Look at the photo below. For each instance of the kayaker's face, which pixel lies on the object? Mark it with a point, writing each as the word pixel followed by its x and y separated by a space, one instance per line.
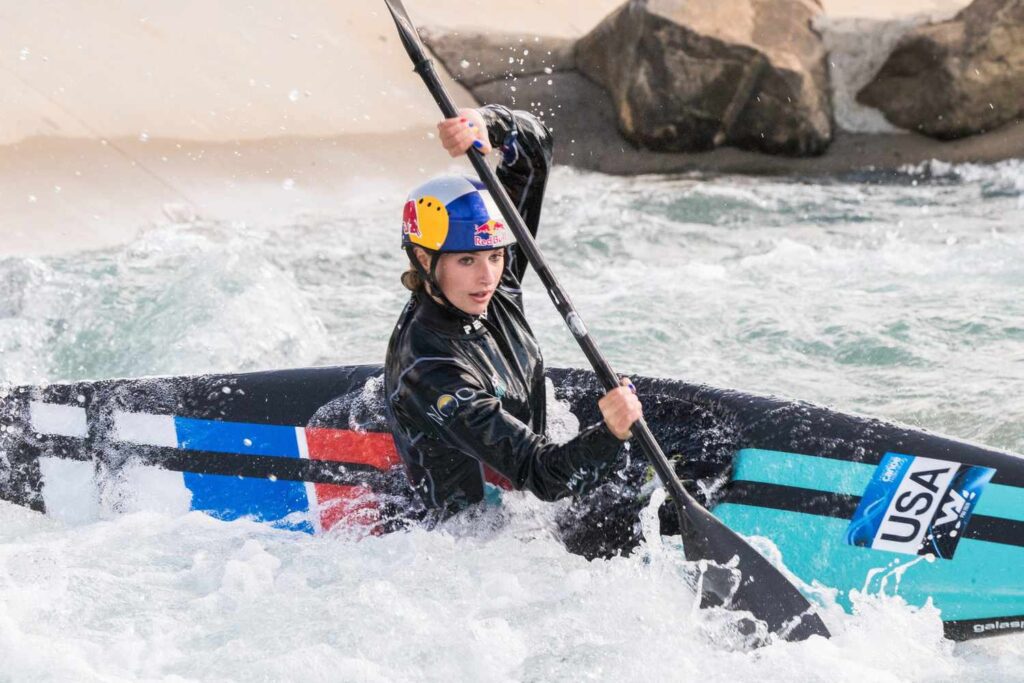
pixel 468 279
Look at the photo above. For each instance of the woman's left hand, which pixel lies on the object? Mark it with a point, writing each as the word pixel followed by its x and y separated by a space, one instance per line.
pixel 620 408
pixel 466 130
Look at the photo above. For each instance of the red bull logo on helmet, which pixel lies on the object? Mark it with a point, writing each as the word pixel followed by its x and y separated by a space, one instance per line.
pixel 410 225
pixel 490 234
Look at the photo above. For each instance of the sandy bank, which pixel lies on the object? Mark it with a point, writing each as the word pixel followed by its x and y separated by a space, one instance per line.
pixel 70 194
pixel 112 119
pixel 230 70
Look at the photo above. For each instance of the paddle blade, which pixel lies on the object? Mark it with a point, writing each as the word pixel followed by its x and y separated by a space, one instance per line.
pixel 744 580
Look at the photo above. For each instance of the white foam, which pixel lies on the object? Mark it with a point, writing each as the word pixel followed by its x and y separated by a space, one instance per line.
pixel 563 425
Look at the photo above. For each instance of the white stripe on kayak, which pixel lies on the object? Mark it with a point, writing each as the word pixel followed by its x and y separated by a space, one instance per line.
pixel 58 420
pixel 153 489
pixel 69 489
pixel 145 429
pixel 314 504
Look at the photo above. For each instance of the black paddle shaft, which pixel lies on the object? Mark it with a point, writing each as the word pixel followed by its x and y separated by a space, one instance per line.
pixel 762 589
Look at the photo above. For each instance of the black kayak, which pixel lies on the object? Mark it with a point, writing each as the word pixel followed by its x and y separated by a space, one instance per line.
pixel 851 502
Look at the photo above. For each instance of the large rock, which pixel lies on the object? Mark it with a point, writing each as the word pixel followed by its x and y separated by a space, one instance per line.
pixel 956 78
pixel 687 75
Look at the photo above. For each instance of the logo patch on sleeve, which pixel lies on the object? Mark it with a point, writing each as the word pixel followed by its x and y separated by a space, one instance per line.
pixel 447 405
pixel 917 506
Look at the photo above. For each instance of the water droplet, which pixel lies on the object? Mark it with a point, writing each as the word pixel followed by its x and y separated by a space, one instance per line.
pixel 23 54
pixel 294 95
pixel 143 136
pixel 288 184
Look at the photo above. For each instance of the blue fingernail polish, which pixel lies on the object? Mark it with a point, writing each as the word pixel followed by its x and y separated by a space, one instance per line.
pixel 631 387
pixel 470 124
pixel 478 144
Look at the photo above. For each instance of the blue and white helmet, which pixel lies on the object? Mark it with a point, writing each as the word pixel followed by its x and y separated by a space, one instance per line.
pixel 453 213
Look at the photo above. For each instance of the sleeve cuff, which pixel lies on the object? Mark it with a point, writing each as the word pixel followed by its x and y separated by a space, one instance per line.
pixel 598 434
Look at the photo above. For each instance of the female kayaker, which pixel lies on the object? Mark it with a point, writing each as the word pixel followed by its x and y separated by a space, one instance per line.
pixel 464 376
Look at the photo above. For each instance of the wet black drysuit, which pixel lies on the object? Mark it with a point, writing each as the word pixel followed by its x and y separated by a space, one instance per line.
pixel 465 395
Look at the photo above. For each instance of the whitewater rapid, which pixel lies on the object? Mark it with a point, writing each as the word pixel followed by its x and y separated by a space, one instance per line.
pixel 897 297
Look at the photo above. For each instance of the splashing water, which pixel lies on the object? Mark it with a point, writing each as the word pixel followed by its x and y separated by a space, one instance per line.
pixel 897 297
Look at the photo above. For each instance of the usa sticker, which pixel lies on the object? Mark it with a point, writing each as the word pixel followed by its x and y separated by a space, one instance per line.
pixel 917 506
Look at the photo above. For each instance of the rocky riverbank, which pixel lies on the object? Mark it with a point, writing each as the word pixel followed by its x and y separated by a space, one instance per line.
pixel 744 87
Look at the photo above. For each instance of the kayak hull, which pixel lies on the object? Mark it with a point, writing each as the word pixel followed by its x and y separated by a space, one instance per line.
pixel 851 502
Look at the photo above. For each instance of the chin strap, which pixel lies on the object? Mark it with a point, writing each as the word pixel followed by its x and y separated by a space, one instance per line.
pixel 430 279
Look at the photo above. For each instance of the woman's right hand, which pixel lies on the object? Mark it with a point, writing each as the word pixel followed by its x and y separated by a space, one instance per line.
pixel 462 132
pixel 620 408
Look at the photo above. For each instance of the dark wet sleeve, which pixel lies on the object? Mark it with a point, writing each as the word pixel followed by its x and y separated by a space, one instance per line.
pixel 525 146
pixel 454 408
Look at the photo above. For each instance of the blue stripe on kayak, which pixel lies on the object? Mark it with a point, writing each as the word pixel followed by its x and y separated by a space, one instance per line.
pixel 851 478
pixel 228 498
pixel 236 437
pixel 980 582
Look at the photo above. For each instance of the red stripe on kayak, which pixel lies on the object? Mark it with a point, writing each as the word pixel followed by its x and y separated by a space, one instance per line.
pixel 354 507
pixel 501 481
pixel 376 449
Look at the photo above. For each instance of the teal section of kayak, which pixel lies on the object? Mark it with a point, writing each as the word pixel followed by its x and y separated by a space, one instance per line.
pixel 801 471
pixel 851 478
pixel 981 581
pixel 492 496
pixel 1002 501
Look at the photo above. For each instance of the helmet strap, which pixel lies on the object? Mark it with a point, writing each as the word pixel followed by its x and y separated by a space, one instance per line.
pixel 430 278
